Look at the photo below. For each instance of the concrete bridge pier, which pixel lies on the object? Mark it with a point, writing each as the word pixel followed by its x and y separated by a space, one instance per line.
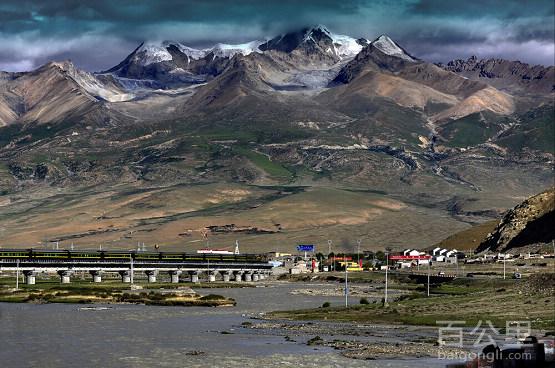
pixel 30 277
pixel 212 276
pixel 65 276
pixel 194 276
pixel 247 276
pixel 261 276
pixel 151 276
pixel 238 276
pixel 125 276
pixel 174 275
pixel 255 276
pixel 97 277
pixel 226 275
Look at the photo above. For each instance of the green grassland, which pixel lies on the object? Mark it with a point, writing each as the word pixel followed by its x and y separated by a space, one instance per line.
pixel 469 131
pixel 468 300
pixel 263 162
pixel 536 130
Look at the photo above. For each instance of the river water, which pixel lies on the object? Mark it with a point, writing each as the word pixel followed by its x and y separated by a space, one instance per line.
pixel 63 335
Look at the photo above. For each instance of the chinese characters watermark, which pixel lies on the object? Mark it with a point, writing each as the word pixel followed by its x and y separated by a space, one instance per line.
pixel 453 334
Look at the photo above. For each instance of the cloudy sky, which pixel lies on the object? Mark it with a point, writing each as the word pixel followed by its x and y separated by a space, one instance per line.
pixel 98 34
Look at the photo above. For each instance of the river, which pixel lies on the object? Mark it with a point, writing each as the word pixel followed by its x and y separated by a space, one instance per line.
pixel 63 335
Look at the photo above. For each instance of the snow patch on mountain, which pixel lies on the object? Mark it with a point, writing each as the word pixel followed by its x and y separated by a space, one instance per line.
pixel 226 50
pixel 345 46
pixel 389 47
pixel 191 53
pixel 150 53
pixel 92 85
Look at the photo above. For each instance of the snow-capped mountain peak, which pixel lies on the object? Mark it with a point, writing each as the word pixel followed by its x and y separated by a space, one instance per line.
pixel 150 53
pixel 389 47
pixel 227 50
pixel 346 46
pixel 191 53
pixel 314 31
pixel 339 45
pixel 343 46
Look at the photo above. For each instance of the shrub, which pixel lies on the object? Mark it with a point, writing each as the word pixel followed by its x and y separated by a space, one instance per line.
pixel 326 305
pixel 213 297
pixel 364 301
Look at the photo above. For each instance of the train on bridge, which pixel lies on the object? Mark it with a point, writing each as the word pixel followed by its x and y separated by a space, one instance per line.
pixel 250 267
pixel 105 255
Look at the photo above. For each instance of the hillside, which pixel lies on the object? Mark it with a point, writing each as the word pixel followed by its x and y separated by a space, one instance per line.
pixel 531 222
pixel 468 239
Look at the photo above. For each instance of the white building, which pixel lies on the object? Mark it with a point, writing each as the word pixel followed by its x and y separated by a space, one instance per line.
pixel 452 253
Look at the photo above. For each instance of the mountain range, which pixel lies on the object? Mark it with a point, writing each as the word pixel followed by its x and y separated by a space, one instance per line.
pixel 302 113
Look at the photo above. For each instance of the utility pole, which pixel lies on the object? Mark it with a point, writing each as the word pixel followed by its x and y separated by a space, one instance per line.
pixel 17 276
pixel 386 271
pixel 346 287
pixel 131 259
pixel 358 251
pixel 504 266
pixel 329 248
pixel 428 278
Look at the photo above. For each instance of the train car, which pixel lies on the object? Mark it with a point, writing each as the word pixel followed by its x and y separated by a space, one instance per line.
pixel 115 255
pixel 192 257
pixel 49 254
pixel 146 256
pixel 82 255
pixel 167 256
pixel 15 253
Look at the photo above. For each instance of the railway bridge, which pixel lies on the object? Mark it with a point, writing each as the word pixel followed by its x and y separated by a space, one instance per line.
pixel 227 267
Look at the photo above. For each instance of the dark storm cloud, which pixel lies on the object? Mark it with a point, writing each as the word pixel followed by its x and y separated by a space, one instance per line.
pixel 98 34
pixel 505 9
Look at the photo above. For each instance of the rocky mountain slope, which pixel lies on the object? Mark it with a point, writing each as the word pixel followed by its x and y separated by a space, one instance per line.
pixel 55 93
pixel 511 76
pixel 530 222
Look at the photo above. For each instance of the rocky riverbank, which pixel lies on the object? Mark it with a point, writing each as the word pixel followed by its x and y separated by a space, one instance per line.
pixel 362 341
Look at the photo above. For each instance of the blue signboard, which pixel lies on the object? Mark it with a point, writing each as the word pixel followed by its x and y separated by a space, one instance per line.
pixel 305 248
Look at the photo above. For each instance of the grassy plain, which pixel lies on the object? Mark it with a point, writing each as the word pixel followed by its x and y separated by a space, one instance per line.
pixel 464 299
